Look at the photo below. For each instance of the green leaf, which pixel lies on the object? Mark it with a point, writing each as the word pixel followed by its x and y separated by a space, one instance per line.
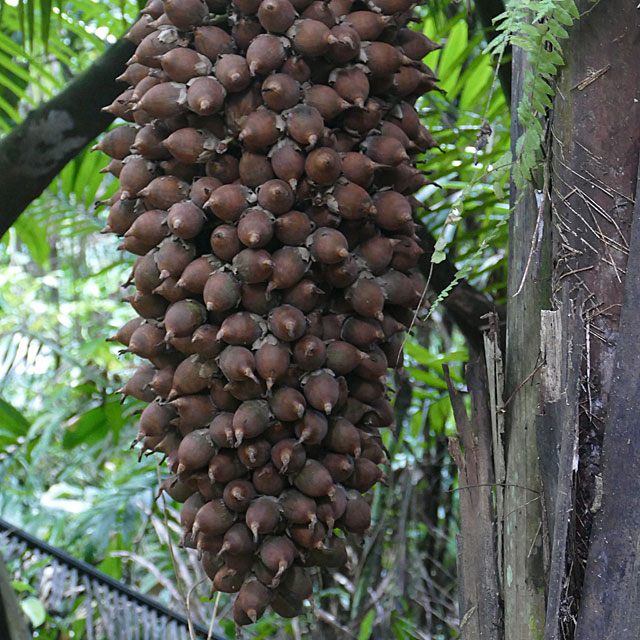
pixel 89 428
pixel 11 420
pixel 35 238
pixel 21 587
pixel 365 626
pixel 34 611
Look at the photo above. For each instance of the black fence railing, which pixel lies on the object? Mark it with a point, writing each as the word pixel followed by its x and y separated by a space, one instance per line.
pixel 111 609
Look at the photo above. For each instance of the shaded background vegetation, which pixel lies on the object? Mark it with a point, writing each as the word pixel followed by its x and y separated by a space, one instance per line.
pixel 68 475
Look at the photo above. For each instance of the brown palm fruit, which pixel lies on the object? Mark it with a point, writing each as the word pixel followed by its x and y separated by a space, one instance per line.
pixel 138 385
pixel 182 64
pixel 147 341
pixel 325 141
pixel 278 430
pixel 255 453
pixel 189 510
pixel 321 390
pixel 361 332
pixel 276 196
pixel 309 537
pixel 253 265
pixel 192 375
pixel 293 228
pixel 278 554
pixel 184 317
pixel 196 273
pixel 256 299
pixel 238 494
pixel 285 607
pixel 232 72
pixel 122 214
pixel 365 474
pixel 195 451
pixel 213 519
pixel 185 14
pixel 221 396
pixel 222 291
pixel 255 228
pixel 265 54
pixel 268 481
pixel 224 467
pixel 212 41
pixel 238 539
pixel 246 389
pixel 260 130
pixel 326 100
pixel 314 480
pixel 287 404
pixel 287 162
pixel 304 295
pixel 287 323
pixel 298 508
pixel 328 245
pixel 346 47
pixel 221 430
pixel 342 437
pixel 194 412
pixel 367 297
pixel 229 201
pixel 331 509
pixel 237 364
pixel 352 201
pixel 357 515
pixel 123 335
pixel 254 169
pixel 305 125
pixel 224 168
pixel 321 12
pixel 225 243
pixel 185 220
pixel 117 142
pixel 339 465
pixel 296 584
pixel 136 173
pixel 287 456
pixel 289 266
pixel 155 419
pixel 252 599
pixel 228 580
pixel 250 420
pixel 276 16
pixel 280 91
pixel 309 353
pixel 323 166
pixel 262 516
pixel 176 490
pixel 162 382
pixel 272 360
pixel 342 357
pixel 342 274
pixel 244 30
pixel 241 329
pixel 351 84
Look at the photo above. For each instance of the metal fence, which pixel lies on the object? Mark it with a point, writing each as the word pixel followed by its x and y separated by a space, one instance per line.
pixel 111 610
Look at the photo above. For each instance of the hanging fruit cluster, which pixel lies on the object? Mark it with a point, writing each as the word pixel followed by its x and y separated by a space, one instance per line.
pixel 265 185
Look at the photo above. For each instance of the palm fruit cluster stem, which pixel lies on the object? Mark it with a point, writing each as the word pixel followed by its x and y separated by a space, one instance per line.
pixel 266 169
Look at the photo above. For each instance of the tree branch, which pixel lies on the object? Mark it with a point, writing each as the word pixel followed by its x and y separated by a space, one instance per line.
pixel 465 304
pixel 37 149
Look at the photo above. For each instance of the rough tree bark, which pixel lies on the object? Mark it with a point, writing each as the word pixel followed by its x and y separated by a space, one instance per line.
pixel 39 148
pixel 570 521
